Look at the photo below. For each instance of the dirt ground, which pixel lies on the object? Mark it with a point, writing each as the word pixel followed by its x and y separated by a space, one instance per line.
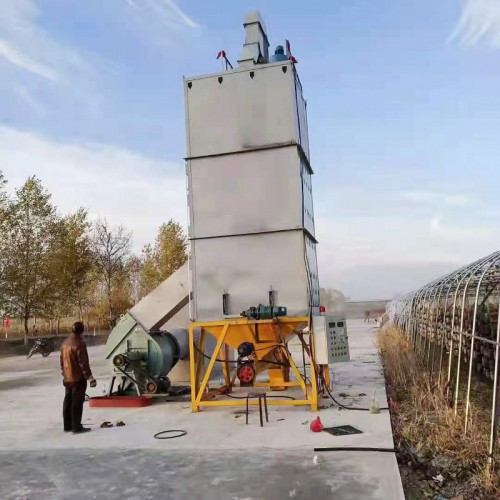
pixel 439 478
pixel 427 474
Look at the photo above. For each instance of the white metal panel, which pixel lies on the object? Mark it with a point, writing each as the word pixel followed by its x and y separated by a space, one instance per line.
pixel 163 302
pixel 320 340
pixel 301 118
pixel 233 111
pixel 247 267
pixel 307 199
pixel 312 270
pixel 247 193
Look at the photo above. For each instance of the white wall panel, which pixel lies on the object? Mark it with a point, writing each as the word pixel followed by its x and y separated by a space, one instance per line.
pixel 312 268
pixel 301 118
pixel 245 193
pixel 232 111
pixel 247 267
pixel 307 199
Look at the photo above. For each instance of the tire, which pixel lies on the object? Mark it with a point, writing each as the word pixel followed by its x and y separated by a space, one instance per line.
pixel 45 353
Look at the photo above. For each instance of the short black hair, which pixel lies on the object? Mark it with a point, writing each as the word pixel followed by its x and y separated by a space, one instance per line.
pixel 78 327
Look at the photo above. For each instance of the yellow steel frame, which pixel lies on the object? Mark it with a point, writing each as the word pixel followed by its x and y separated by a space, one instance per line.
pixel 230 333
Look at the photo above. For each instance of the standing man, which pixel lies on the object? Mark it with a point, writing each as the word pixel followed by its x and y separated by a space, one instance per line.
pixel 75 371
pixel 367 316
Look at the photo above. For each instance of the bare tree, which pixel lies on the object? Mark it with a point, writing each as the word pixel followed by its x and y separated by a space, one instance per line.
pixel 111 247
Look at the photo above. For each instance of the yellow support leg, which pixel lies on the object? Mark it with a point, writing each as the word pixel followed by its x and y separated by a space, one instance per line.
pixel 225 365
pixel 297 374
pixel 210 367
pixel 200 360
pixel 192 369
pixel 314 388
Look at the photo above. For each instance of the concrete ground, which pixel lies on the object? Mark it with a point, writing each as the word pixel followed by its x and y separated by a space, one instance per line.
pixel 219 458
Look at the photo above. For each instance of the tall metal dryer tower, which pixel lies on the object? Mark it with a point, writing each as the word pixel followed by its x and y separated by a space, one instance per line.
pixel 251 223
pixel 251 218
pixel 252 246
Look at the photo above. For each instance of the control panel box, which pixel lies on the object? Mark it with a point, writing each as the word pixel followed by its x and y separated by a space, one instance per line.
pixel 331 342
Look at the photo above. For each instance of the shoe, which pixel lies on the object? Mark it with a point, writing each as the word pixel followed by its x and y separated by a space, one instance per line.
pixel 82 430
pixel 67 430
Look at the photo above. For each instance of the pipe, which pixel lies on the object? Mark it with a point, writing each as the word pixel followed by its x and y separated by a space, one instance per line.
pixel 477 268
pixel 444 333
pixel 467 403
pixel 494 402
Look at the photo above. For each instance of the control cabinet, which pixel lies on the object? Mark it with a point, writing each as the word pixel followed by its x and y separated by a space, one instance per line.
pixel 331 343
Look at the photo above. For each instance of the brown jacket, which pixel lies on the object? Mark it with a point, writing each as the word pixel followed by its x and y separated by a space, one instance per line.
pixel 75 359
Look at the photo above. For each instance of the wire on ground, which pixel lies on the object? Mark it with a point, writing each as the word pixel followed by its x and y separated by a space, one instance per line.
pixel 159 435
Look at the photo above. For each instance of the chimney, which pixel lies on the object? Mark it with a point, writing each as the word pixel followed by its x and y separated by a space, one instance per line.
pixel 256 47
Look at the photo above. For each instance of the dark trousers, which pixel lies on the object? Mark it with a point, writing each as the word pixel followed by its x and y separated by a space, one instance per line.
pixel 73 404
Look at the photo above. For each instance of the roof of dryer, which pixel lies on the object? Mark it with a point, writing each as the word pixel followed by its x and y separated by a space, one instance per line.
pixel 241 69
pixel 255 52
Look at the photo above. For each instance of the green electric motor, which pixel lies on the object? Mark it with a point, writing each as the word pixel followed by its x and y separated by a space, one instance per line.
pixel 264 312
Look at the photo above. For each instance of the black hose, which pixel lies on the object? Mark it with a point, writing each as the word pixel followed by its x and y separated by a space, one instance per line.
pixel 385 450
pixel 181 433
pixel 270 397
pixel 216 359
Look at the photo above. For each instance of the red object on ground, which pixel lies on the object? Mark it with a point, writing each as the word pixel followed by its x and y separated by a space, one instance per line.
pixel 6 321
pixel 394 405
pixel 316 425
pixel 120 401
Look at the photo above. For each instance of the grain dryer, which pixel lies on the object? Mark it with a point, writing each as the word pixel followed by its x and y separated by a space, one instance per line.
pixel 251 283
pixel 251 222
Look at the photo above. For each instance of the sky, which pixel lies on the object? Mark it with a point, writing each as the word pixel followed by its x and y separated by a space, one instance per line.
pixel 403 111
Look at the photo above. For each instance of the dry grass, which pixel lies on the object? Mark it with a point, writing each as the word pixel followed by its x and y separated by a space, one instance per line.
pixel 423 417
pixel 401 365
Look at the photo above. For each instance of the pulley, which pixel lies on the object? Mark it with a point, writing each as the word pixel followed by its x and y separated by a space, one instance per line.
pixel 246 373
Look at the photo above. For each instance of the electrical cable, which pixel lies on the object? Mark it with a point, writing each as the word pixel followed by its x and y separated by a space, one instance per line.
pixel 270 397
pixel 357 448
pixel 181 433
pixel 216 359
pixel 319 373
pixel 356 408
pixel 236 361
pixel 268 347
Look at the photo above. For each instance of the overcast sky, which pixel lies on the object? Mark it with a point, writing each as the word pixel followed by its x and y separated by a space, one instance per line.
pixel 403 101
